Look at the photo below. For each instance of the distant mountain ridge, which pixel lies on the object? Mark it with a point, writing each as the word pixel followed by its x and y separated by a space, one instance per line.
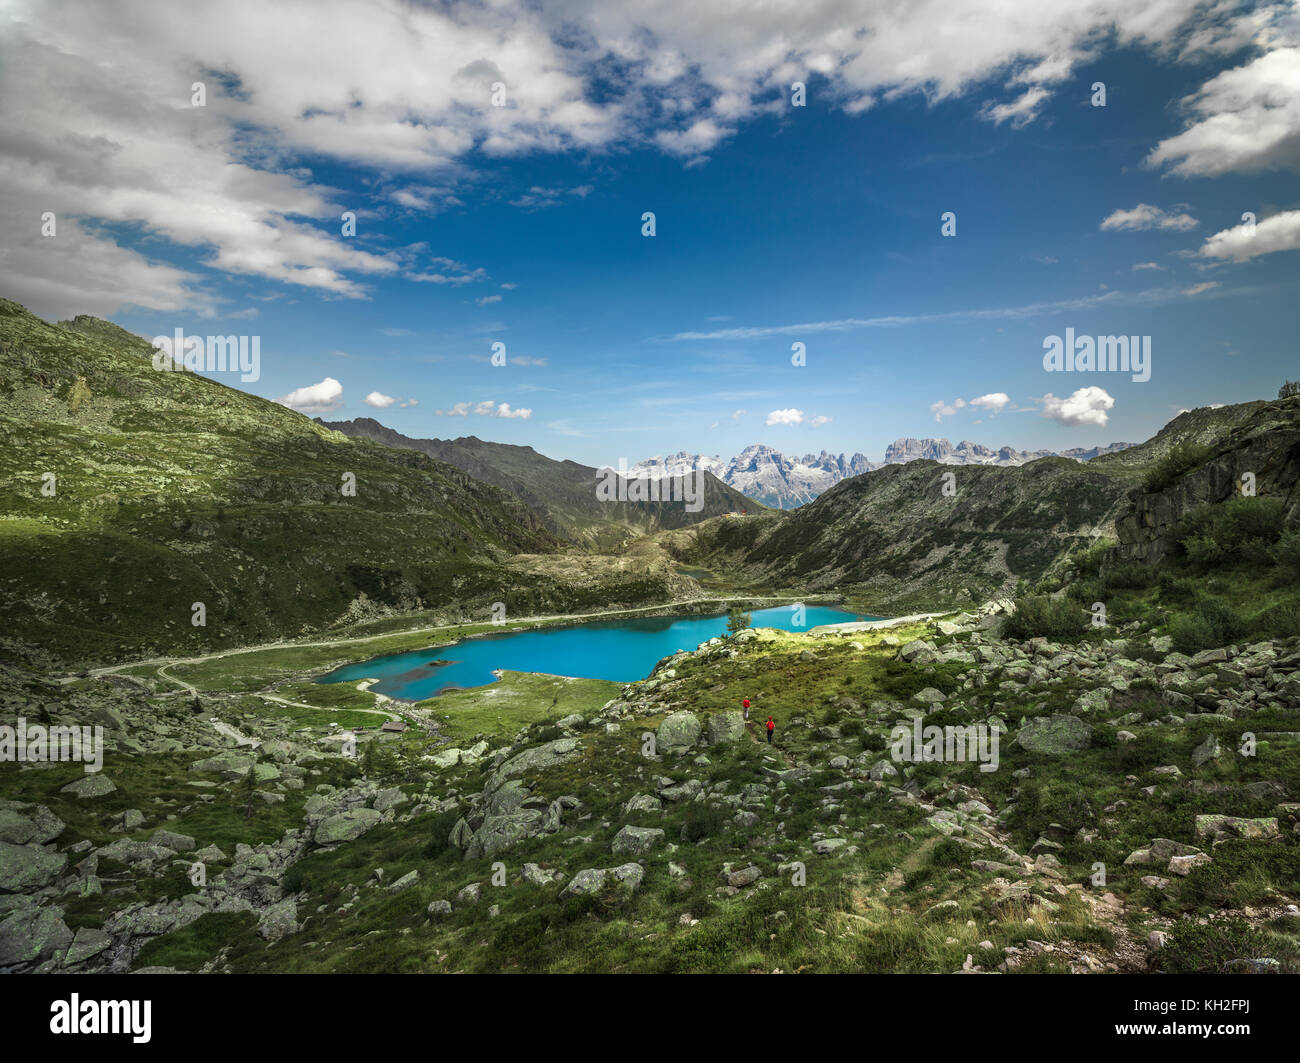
pixel 562 493
pixel 783 482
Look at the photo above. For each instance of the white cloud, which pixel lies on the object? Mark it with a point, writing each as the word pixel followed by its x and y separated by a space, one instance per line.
pixel 1204 286
pixel 994 402
pixel 738 413
pixel 488 300
pixel 379 400
pixel 315 398
pixel 408 403
pixel 790 416
pixel 485 409
pixel 1146 216
pixel 943 409
pixel 1244 120
pixel 819 420
pixel 447 271
pixel 1138 266
pixel 1085 406
pixel 1281 232
pixel 96 130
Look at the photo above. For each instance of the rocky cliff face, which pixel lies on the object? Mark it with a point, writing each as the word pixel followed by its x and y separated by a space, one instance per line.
pixel 1266 446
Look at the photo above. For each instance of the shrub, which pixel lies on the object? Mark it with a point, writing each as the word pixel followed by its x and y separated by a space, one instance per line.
pixel 702 821
pixel 1130 576
pixel 1204 552
pixel 1048 617
pixel 1280 622
pixel 1179 460
pixel 1285 553
pixel 1212 624
pixel 1197 949
pixel 440 833
pixel 1230 531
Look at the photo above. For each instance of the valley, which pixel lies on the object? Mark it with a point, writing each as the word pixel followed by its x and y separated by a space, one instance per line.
pixel 1141 813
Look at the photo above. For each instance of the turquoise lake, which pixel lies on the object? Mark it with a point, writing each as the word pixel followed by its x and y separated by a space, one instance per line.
pixel 622 650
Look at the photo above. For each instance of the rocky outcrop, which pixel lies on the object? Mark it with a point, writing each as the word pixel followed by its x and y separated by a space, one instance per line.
pixel 1266 446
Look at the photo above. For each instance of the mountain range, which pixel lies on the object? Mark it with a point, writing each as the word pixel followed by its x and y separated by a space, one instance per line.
pixel 785 482
pixel 562 493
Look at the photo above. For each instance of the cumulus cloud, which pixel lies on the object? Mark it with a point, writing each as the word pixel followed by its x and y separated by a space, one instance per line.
pixel 379 400
pixel 943 409
pixel 487 408
pixel 994 402
pixel 819 420
pixel 315 398
pixel 1281 232
pixel 93 130
pixel 1146 216
pixel 790 416
pixel 1243 120
pixel 1087 406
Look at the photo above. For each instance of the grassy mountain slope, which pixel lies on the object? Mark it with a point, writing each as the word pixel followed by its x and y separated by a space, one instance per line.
pixel 1205 426
pixel 563 492
pixel 171 489
pixel 892 538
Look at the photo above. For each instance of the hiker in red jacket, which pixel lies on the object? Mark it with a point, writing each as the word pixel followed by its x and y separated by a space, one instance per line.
pixel 771 726
pixel 745 705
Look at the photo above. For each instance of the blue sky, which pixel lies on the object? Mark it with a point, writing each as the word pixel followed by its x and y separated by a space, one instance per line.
pixel 775 224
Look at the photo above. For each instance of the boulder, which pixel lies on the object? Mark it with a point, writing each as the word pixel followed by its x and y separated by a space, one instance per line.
pixel 33 934
pixel 24 824
pixel 678 732
pixel 1054 735
pixel 279 920
pixel 633 841
pixel 90 786
pixel 726 727
pixel 346 826
pixel 24 868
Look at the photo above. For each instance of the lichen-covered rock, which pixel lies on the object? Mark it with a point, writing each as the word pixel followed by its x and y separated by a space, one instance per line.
pixel 678 732
pixel 279 920
pixel 1054 735
pixel 633 841
pixel 346 826
pixel 23 824
pixel 33 934
pixel 90 786
pixel 24 868
pixel 726 727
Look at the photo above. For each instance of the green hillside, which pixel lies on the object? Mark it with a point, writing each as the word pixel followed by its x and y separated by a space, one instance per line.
pixel 562 492
pixel 171 489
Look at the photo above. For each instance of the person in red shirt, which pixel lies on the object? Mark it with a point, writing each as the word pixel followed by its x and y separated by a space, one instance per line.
pixel 771 726
pixel 745 705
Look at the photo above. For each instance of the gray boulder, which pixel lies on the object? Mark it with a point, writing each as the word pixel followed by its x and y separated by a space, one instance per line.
pixel 24 868
pixel 346 826
pixel 633 841
pixel 678 732
pixel 1054 735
